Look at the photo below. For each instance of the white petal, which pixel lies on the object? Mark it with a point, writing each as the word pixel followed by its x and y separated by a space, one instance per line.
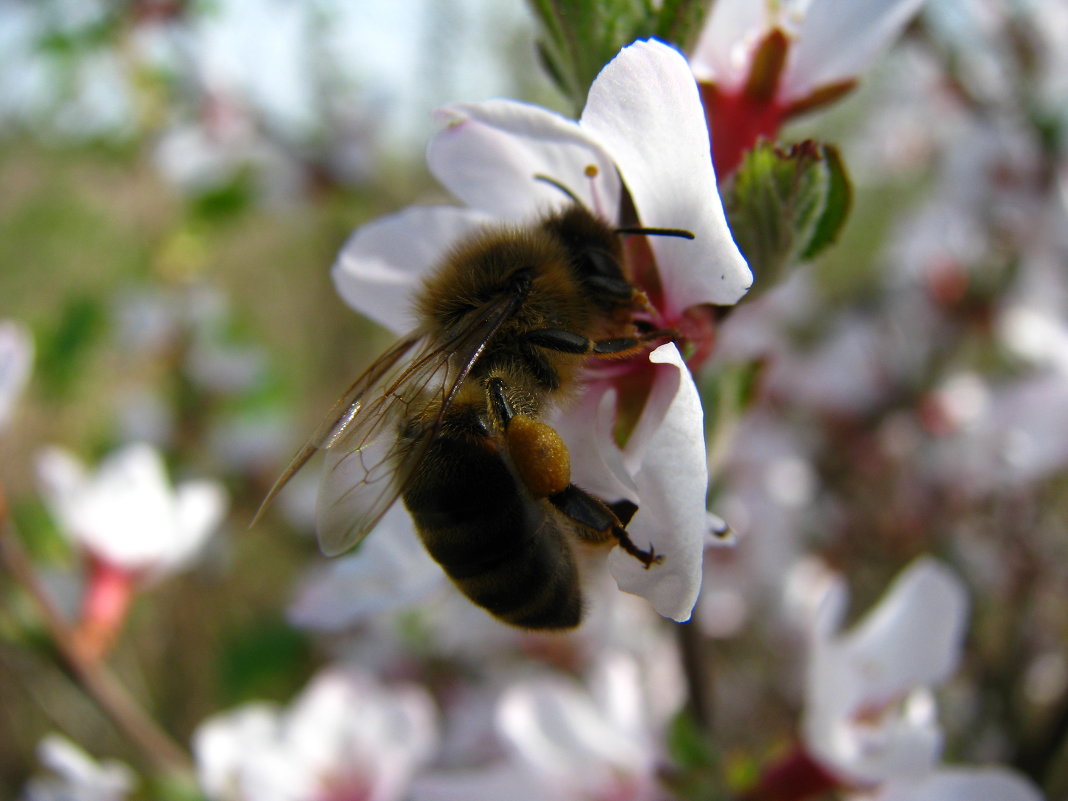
pixel 80 776
pixel 487 154
pixel 492 783
pixel 16 359
pixel 596 461
pixel 723 52
pixel 669 465
pixel 389 572
pixel 382 263
pixel 966 784
pixel 556 729
pixel 644 107
pixel 839 39
pixel 913 638
pixel 199 508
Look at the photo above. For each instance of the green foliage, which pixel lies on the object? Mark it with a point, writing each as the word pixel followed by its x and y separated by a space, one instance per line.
pixel 697 772
pixel 786 206
pixel 65 348
pixel 580 36
pixel 262 660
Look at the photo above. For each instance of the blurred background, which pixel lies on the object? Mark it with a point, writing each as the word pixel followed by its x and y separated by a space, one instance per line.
pixel 177 177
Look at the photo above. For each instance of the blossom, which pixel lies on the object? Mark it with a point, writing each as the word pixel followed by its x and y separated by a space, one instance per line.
pixel 642 131
pixel 344 737
pixel 870 714
pixel 16 357
pixel 761 63
pixel 565 740
pixel 390 572
pixel 77 776
pixel 126 513
pixel 959 784
pixel 131 524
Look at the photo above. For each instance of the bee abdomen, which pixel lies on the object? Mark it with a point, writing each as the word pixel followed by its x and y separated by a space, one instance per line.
pixel 500 549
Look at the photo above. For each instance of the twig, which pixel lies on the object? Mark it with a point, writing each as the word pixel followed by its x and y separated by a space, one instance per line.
pixel 697 669
pixel 98 682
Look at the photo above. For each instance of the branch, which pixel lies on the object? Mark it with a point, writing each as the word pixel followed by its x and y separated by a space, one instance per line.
pixel 97 681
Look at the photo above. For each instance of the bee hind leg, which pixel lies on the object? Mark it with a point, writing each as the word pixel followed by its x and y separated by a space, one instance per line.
pixel 599 522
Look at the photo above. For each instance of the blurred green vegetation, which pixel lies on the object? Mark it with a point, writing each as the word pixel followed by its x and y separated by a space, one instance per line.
pixel 80 230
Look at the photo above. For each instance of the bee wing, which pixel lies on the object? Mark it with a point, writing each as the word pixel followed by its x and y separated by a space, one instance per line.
pixel 342 414
pixel 375 446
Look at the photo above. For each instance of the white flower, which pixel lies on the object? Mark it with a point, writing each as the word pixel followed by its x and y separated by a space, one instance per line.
pixel 390 572
pixel 642 129
pixel 830 41
pixel 345 737
pixel 77 776
pixel 761 63
pixel 566 741
pixel 126 514
pixel 960 784
pixel 16 359
pixel 870 714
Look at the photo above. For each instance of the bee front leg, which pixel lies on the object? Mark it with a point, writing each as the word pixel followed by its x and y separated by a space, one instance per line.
pixel 562 341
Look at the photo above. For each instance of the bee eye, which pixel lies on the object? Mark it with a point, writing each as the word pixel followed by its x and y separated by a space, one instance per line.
pixel 601 263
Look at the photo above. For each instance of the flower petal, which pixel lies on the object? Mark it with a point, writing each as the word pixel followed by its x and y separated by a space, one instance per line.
pixel 199 508
pixel 668 461
pixel 380 265
pixel 839 39
pixel 487 154
pixel 914 636
pixel 645 109
pixel 596 461
pixel 16 358
pixel 958 784
pixel 723 51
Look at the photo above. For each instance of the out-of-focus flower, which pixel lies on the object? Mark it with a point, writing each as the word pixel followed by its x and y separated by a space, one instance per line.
pixel 643 130
pixel 16 359
pixel 78 777
pixel 1014 434
pixel 127 513
pixel 344 737
pixel 761 63
pixel 870 715
pixel 390 572
pixel 132 525
pixel 958 784
pixel 568 742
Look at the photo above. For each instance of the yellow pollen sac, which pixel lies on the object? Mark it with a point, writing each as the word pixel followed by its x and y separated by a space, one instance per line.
pixel 539 455
pixel 591 171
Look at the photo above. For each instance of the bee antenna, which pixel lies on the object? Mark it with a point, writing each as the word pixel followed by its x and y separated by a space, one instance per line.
pixel 682 233
pixel 554 183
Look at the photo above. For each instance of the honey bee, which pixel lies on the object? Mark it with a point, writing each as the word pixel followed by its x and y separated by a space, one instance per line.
pixel 448 418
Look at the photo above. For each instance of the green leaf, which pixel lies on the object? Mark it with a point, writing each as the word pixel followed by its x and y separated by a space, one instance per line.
pixel 786 206
pixel 839 201
pixel 680 21
pixel 267 660
pixel 580 36
pixel 65 349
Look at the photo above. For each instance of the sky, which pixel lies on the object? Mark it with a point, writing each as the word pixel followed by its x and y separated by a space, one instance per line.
pixel 395 61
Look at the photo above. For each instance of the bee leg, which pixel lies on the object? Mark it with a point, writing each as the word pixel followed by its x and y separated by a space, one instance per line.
pixel 544 466
pixel 599 523
pixel 537 452
pixel 568 342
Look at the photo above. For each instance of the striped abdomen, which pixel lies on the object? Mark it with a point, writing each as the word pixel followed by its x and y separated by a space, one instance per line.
pixel 503 550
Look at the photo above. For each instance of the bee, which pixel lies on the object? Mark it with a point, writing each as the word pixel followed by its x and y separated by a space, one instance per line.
pixel 448 418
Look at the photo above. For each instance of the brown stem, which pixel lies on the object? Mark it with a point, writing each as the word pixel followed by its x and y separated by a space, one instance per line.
pixel 697 668
pixel 98 682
